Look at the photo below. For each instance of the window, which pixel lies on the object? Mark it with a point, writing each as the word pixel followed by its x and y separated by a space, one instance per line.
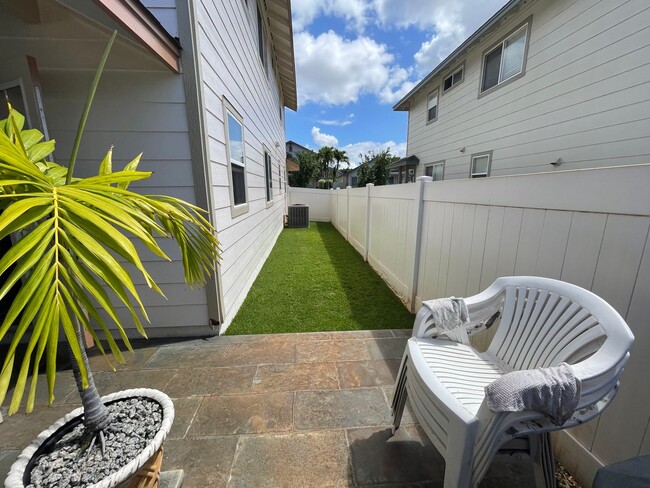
pixel 236 160
pixel 261 44
pixel 435 170
pixel 506 60
pixel 432 106
pixel 269 178
pixel 480 166
pixel 453 79
pixel 406 174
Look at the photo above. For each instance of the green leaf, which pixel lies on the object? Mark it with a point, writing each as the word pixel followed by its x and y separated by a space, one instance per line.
pixel 31 137
pixel 106 166
pixel 132 166
pixel 40 151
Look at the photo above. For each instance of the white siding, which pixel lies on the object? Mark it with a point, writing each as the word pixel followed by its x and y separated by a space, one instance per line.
pixel 139 107
pixel 584 97
pixel 231 68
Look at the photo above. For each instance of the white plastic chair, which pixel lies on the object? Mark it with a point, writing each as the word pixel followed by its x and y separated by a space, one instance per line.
pixel 543 322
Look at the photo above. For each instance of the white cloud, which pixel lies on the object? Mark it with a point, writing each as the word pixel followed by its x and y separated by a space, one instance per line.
pixel 336 71
pixel 450 23
pixel 338 122
pixel 322 139
pixel 355 150
pixel 353 11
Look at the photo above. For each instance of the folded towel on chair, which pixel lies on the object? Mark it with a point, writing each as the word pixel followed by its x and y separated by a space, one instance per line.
pixel 449 316
pixel 553 391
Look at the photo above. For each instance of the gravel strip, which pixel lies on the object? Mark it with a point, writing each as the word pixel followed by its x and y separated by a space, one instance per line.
pixel 71 464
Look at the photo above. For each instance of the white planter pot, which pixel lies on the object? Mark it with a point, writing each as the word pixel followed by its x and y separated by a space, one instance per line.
pixel 17 471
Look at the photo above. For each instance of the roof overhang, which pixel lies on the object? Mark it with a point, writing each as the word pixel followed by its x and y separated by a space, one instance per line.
pixel 407 161
pixel 278 13
pixel 141 23
pixel 403 104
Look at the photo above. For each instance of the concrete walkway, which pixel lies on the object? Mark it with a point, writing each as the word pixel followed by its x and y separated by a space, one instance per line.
pixel 287 410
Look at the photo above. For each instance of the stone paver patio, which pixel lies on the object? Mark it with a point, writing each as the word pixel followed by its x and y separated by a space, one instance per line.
pixel 287 410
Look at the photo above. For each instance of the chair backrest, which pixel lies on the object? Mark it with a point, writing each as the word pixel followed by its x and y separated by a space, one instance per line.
pixel 546 322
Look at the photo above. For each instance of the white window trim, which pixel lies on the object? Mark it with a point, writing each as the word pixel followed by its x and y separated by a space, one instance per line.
pixel 242 208
pixel 527 24
pixel 436 163
pixel 459 68
pixel 437 92
pixel 268 178
pixel 489 165
pixel 264 59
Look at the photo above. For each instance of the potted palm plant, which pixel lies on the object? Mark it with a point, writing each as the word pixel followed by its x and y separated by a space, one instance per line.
pixel 68 236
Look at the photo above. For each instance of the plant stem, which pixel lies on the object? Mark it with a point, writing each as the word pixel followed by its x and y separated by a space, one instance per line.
pixel 89 102
pixel 96 415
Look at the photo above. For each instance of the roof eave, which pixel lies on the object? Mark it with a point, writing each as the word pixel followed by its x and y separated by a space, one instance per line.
pixel 403 104
pixel 141 24
pixel 278 13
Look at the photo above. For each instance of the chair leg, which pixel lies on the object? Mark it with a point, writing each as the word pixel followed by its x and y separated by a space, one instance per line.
pixel 399 396
pixel 541 451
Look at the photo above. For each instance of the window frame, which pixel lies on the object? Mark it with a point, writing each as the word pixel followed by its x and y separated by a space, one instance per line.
pixel 268 176
pixel 436 90
pixel 489 165
pixel 461 67
pixel 262 47
pixel 527 25
pixel 436 163
pixel 242 208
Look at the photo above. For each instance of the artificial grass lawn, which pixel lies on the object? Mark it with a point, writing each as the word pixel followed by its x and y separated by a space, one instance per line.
pixel 315 281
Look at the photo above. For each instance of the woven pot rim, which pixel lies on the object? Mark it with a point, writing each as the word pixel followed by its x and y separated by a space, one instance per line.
pixel 15 477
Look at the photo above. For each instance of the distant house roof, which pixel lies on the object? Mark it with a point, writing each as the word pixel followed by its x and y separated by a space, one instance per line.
pixel 405 161
pixel 292 166
pixel 278 13
pixel 403 104
pixel 294 145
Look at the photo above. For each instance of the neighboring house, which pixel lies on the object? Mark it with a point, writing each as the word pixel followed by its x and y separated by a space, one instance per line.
pixel 541 86
pixel 293 149
pixel 200 87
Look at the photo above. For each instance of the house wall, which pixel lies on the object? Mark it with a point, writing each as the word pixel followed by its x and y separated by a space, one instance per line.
pixel 587 227
pixel 165 12
pixel 139 107
pixel 231 70
pixel 584 97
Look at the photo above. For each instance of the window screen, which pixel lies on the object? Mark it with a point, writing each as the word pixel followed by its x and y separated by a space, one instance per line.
pixel 491 68
pixel 513 55
pixel 480 166
pixel 269 179
pixel 432 106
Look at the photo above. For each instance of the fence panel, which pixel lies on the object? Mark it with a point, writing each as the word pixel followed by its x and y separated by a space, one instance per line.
pixel 318 201
pixel 358 212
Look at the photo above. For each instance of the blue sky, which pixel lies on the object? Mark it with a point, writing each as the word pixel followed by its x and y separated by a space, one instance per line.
pixel 356 58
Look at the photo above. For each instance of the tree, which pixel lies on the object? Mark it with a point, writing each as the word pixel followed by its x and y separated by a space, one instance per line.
pixel 307 171
pixel 339 157
pixel 364 175
pixel 380 171
pixel 325 157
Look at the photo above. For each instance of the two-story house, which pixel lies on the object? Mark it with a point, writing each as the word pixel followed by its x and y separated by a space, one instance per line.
pixel 541 86
pixel 198 86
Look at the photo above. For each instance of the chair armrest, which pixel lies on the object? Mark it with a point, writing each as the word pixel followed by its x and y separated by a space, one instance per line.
pixel 484 309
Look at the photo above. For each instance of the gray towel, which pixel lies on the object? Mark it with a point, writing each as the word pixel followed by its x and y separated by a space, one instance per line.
pixel 552 391
pixel 449 315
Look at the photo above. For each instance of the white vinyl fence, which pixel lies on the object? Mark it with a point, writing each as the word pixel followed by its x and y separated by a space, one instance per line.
pixel 587 227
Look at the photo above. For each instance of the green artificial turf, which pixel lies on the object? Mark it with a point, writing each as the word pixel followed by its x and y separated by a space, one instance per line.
pixel 313 281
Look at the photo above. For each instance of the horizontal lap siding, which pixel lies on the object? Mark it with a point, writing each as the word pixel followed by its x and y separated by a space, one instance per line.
pixel 231 69
pixel 139 107
pixel 585 96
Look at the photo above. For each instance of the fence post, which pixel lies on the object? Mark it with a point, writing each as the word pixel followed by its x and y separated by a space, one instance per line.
pixel 347 231
pixel 417 244
pixel 336 199
pixel 369 188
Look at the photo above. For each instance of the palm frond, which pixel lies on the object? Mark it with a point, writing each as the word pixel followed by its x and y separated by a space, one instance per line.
pixel 69 234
